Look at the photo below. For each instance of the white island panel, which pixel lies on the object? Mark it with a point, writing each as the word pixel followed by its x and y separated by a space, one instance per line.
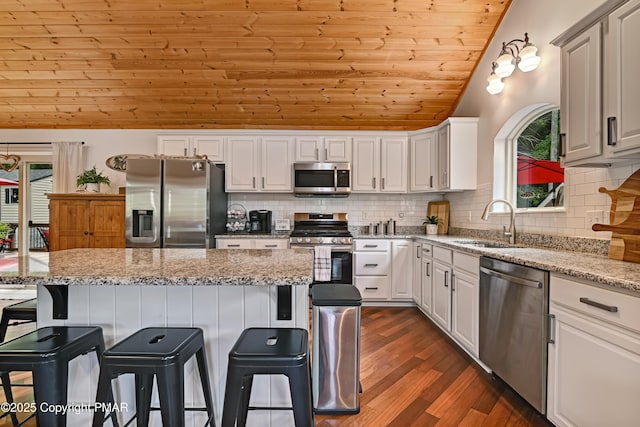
pixel 223 312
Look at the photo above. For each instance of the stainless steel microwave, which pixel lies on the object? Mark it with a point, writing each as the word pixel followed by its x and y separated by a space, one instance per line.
pixel 321 179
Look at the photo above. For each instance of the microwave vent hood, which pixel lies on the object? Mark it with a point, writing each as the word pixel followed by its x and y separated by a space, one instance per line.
pixel 322 179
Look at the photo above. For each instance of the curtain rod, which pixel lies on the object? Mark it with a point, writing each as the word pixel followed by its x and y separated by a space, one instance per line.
pixel 28 143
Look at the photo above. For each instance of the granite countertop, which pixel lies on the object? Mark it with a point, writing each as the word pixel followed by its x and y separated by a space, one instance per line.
pixel 162 267
pixel 622 275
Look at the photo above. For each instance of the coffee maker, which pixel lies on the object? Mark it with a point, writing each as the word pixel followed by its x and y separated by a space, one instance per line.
pixel 260 221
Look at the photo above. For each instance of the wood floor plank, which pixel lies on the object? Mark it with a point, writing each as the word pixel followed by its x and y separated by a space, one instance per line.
pixel 412 375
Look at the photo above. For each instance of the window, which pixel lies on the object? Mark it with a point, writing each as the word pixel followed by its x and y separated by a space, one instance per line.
pixel 539 178
pixel 10 196
pixel 527 172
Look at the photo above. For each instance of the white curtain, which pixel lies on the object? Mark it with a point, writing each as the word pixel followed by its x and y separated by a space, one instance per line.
pixel 67 165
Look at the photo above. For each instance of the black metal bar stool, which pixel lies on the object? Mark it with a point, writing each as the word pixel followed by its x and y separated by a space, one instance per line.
pixel 269 351
pixel 46 352
pixel 20 312
pixel 159 352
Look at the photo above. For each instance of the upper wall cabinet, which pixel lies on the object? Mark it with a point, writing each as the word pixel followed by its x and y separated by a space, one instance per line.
pixel 323 149
pixel 457 154
pixel 183 145
pixel 379 164
pixel 423 156
pixel 600 97
pixel 259 164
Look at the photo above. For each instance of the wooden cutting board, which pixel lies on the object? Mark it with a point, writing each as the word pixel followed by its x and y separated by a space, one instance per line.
pixel 624 220
pixel 441 210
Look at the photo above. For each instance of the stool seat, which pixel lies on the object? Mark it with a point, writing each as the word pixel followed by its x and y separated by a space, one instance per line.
pixel 46 352
pixel 268 351
pixel 23 310
pixel 161 352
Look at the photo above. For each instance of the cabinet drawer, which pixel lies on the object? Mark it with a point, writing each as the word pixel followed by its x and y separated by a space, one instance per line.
pixel 597 302
pixel 373 287
pixel 467 262
pixel 371 264
pixel 427 250
pixel 233 244
pixel 442 254
pixel 271 243
pixel 372 245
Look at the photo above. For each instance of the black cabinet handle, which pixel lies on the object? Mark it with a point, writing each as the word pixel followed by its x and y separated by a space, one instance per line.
pixel 371 265
pixel 371 289
pixel 612 131
pixel 609 308
pixel 563 145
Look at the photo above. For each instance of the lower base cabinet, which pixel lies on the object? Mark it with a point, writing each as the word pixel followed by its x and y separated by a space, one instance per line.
pixel 383 269
pixel 594 356
pixel 236 243
pixel 451 293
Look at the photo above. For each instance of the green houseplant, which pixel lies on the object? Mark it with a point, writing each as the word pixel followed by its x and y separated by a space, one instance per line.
pixel 91 180
pixel 431 224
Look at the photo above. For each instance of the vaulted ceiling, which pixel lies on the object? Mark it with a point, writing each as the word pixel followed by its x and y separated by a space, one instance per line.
pixel 263 64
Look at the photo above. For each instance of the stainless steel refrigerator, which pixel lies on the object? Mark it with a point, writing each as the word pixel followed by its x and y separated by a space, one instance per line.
pixel 174 203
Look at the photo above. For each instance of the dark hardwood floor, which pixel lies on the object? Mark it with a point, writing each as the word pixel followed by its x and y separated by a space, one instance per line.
pixel 411 374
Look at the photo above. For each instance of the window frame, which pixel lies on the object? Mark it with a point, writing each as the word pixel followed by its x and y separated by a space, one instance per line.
pixel 505 159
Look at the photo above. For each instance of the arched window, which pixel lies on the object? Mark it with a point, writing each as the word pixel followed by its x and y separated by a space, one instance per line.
pixel 527 170
pixel 539 180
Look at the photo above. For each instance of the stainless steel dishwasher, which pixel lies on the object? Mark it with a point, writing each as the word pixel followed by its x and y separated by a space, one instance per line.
pixel 514 307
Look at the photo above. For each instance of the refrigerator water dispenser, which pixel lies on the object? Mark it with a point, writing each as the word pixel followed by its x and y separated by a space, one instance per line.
pixel 142 223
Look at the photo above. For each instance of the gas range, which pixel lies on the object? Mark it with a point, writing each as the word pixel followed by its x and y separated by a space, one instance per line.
pixel 312 229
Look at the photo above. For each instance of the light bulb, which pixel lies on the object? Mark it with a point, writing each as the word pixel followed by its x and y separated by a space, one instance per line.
pixel 528 59
pixel 495 85
pixel 504 65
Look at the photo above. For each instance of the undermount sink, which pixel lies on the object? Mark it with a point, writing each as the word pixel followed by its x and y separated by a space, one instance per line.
pixel 486 244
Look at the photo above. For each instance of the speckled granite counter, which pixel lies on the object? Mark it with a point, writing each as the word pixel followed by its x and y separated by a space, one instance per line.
pixel 625 276
pixel 164 267
pixel 221 291
pixel 597 268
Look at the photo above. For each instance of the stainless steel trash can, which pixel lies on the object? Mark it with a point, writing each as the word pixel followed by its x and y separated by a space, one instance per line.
pixel 335 361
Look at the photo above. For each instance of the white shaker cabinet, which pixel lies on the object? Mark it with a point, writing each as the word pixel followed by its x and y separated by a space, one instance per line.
pixel 383 269
pixel 379 164
pixel 427 278
pixel 423 155
pixel 594 356
pixel 623 69
pixel 401 269
pixel 247 243
pixel 416 282
pixel 259 164
pixel 457 154
pixel 441 292
pixel 465 300
pixel 371 268
pixel 600 97
pixel 192 145
pixel 316 148
pixel 451 293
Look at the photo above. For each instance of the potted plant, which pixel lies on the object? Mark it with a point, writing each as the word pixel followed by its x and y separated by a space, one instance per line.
pixel 431 224
pixel 91 180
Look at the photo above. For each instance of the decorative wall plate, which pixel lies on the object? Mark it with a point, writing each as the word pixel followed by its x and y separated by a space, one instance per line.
pixel 119 161
pixel 9 162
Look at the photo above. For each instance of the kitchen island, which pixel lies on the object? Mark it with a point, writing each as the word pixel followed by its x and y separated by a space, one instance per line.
pixel 220 291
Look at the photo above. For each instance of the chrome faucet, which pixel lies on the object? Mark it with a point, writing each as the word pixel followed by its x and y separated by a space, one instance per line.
pixel 511 234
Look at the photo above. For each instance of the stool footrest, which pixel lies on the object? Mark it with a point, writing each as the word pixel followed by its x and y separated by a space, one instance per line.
pixel 270 408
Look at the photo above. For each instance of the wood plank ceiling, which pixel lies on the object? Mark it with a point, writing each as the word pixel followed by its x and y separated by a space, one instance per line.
pixel 279 64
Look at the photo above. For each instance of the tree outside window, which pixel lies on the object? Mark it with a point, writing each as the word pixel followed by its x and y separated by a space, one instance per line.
pixel 540 178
